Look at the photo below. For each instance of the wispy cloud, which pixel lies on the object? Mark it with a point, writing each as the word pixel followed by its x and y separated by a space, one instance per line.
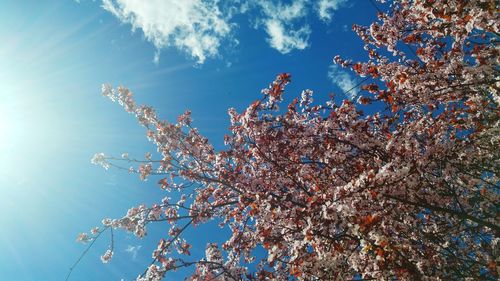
pixel 344 81
pixel 194 26
pixel 326 8
pixel 284 25
pixel 201 27
pixel 133 250
pixel 112 181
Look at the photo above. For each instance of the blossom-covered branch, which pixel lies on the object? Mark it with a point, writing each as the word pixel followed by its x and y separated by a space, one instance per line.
pixel 410 192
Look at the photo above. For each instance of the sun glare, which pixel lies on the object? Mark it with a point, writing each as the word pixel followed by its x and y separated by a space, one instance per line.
pixel 4 129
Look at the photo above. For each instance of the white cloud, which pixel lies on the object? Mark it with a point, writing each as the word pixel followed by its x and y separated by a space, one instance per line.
pixel 133 250
pixel 194 26
pixel 284 12
pixel 326 8
pixel 286 41
pixel 280 22
pixel 344 81
pixel 201 27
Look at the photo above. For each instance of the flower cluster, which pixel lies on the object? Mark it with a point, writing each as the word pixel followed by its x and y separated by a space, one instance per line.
pixel 107 256
pixel 406 193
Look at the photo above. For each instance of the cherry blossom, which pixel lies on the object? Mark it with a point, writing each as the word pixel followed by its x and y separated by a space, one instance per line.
pixel 409 192
pixel 106 257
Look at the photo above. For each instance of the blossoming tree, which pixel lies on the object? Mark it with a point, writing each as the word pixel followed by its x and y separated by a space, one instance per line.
pixel 410 192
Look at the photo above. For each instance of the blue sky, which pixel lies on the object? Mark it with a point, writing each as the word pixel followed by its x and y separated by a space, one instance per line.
pixel 54 57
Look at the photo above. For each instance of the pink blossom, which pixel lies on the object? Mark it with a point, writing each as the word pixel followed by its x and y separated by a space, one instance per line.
pixel 107 256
